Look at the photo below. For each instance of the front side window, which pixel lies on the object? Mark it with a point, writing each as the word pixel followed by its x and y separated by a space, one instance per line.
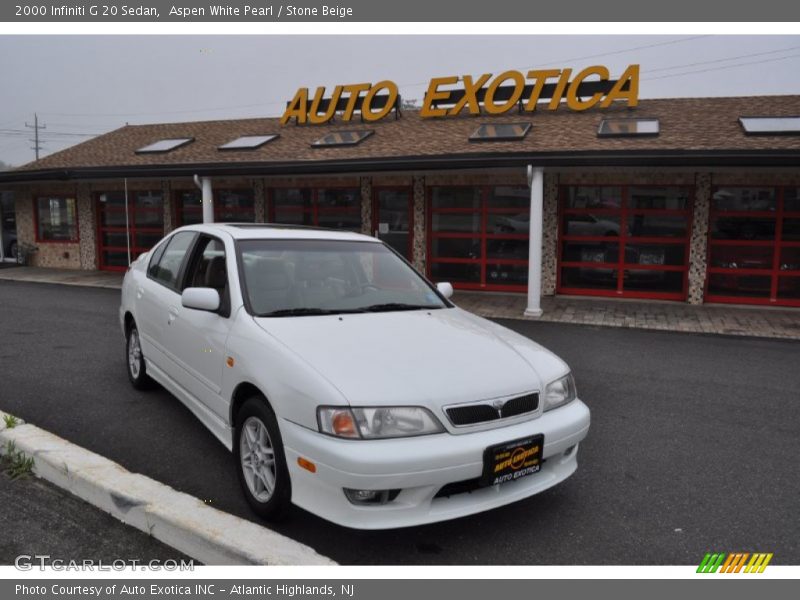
pixel 56 219
pixel 307 277
pixel 165 266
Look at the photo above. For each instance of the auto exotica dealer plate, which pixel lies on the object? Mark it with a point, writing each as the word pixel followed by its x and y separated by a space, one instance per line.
pixel 512 460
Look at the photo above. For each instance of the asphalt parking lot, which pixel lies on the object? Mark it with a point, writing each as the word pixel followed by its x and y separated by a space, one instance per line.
pixel 692 446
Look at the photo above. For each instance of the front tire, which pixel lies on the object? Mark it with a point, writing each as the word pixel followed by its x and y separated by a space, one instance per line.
pixel 260 460
pixel 12 250
pixel 134 359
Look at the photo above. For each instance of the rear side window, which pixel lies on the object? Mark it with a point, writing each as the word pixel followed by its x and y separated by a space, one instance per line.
pixel 165 267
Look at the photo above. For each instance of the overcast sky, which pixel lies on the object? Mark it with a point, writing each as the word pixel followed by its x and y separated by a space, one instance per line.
pixel 92 84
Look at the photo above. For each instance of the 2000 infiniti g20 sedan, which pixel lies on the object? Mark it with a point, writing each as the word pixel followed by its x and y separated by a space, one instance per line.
pixel 342 380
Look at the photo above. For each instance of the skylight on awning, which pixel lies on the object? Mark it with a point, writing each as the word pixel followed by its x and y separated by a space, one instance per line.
pixel 166 145
pixel 770 125
pixel 492 132
pixel 622 127
pixel 248 142
pixel 342 138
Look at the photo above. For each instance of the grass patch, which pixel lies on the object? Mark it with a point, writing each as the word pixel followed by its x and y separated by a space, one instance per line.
pixel 14 463
pixel 11 421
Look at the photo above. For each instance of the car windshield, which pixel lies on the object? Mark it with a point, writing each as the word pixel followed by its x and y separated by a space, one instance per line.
pixel 317 277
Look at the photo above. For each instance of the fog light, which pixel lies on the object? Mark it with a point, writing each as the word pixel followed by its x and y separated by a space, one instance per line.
pixel 569 450
pixel 370 496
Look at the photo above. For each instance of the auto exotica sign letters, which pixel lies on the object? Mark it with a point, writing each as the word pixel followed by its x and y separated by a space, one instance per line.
pixel 491 95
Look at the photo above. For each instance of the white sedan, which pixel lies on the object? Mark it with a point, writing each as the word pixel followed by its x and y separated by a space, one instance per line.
pixel 342 380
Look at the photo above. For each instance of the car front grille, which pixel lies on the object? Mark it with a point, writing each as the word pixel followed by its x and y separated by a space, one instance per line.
pixel 485 412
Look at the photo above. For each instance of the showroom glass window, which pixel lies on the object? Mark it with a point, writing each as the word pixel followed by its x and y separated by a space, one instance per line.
pixel 56 219
pixel 230 206
pixel 335 207
pixel 142 225
pixel 624 241
pixel 478 236
pixel 754 245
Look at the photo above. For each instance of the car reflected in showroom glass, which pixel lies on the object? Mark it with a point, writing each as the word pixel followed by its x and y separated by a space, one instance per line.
pixel 342 380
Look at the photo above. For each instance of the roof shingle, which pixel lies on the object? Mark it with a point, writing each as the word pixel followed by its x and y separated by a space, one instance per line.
pixel 687 124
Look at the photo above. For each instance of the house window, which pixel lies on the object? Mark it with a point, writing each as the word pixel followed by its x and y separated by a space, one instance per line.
pixel 56 219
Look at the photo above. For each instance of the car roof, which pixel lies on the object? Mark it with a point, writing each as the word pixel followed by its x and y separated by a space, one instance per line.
pixel 275 231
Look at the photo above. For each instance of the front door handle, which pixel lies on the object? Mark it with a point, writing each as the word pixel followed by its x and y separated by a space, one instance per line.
pixel 173 314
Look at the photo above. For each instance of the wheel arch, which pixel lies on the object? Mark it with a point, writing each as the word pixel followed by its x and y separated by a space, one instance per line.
pixel 128 321
pixel 241 393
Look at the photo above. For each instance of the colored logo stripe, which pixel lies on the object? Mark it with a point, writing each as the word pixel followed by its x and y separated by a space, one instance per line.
pixel 734 563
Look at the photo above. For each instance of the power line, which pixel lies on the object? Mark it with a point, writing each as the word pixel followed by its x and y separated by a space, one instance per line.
pixel 722 68
pixel 721 60
pixel 281 102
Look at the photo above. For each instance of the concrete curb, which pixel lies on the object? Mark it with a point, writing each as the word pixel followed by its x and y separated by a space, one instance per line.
pixel 179 520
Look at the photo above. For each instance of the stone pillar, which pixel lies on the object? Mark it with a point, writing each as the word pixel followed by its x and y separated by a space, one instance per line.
pixel 87 227
pixel 699 243
pixel 23 208
pixel 259 200
pixel 166 195
pixel 534 308
pixel 550 234
pixel 420 233
pixel 366 206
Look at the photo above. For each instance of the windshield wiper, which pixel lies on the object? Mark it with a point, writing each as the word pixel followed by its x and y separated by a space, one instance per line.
pixel 306 311
pixel 391 306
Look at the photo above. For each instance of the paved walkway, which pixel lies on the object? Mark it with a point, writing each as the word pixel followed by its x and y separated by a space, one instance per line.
pixel 104 279
pixel 670 316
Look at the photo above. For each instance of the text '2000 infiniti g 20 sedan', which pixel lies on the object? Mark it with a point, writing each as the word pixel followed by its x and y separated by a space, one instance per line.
pixel 342 380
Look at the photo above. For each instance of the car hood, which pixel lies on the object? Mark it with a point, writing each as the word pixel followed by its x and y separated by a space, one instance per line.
pixel 425 358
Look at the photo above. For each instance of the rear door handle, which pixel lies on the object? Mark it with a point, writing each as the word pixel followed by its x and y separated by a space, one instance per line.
pixel 139 292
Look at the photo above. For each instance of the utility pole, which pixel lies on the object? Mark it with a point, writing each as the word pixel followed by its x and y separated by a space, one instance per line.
pixel 36 127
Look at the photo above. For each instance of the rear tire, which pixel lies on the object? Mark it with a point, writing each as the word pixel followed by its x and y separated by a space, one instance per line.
pixel 134 360
pixel 12 250
pixel 260 460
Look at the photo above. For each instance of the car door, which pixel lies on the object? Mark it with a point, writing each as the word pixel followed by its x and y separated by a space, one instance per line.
pixel 196 339
pixel 158 294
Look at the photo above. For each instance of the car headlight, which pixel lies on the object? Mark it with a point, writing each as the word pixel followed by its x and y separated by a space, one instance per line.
pixel 560 392
pixel 377 422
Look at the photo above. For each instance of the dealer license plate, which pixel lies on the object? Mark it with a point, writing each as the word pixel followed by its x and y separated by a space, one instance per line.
pixel 512 460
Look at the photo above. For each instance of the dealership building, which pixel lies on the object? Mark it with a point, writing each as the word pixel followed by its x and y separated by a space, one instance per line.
pixel 688 199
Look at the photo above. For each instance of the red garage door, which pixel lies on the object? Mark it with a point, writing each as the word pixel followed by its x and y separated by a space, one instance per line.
pixel 141 226
pixel 624 241
pixel 754 246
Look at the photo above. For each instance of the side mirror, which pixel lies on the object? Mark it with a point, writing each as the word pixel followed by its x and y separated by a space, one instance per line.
pixel 445 289
pixel 200 298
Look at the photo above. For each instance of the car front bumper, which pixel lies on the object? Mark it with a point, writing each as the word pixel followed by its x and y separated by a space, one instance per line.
pixel 420 467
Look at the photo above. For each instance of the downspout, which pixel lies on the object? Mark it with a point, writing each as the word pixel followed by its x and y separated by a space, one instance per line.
pixel 204 183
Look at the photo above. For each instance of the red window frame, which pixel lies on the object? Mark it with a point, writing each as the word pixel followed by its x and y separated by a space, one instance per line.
pixel 375 208
pixel 314 209
pixel 777 245
pixel 133 229
pixel 40 240
pixel 484 210
pixel 178 203
pixel 623 239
